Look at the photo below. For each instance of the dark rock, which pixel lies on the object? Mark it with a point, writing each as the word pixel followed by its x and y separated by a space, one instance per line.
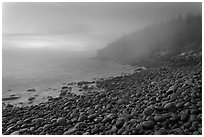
pixel 81 125
pixel 162 117
pixel 175 117
pixel 10 98
pixel 121 101
pixel 173 97
pixel 39 121
pixel 94 131
pixel 179 105
pixel 15 133
pixel 98 106
pixel 98 119
pixel 159 108
pixel 61 121
pixel 102 128
pixel 162 131
pixel 31 98
pixel 178 131
pixel 148 111
pixel 108 106
pixel 74 114
pixel 132 121
pixel 47 126
pixel 106 119
pixel 148 124
pixel 169 105
pixel 92 116
pixel 171 89
pixel 194 125
pixel 185 114
pixel 31 90
pixel 71 131
pixel 82 118
pixel 120 123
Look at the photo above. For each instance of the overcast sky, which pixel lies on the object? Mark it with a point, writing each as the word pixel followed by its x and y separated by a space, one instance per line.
pixel 81 26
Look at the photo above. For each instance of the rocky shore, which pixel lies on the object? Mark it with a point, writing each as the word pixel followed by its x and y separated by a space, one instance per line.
pixel 157 101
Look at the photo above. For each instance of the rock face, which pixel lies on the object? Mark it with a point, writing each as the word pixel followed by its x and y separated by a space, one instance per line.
pixel 129 105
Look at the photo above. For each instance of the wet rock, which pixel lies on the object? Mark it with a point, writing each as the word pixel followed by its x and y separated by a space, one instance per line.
pixel 81 125
pixel 158 108
pixel 31 98
pixel 86 133
pixel 175 117
pixel 61 121
pixel 179 105
pixel 98 106
pixel 98 119
pixel 162 117
pixel 94 131
pixel 109 106
pixel 173 97
pixel 74 114
pixel 178 131
pixel 169 105
pixel 162 131
pixel 148 124
pixel 132 121
pixel 71 131
pixel 47 126
pixel 148 111
pixel 106 119
pixel 10 98
pixel 82 118
pixel 185 114
pixel 15 133
pixel 121 101
pixel 120 123
pixel 31 90
pixel 92 117
pixel 39 121
pixel 171 89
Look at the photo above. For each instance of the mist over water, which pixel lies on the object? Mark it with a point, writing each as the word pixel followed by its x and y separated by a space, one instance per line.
pixel 42 69
pixel 48 44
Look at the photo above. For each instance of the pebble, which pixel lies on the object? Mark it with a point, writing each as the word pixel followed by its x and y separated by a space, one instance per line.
pixel 15 133
pixel 162 117
pixel 185 114
pixel 39 121
pixel 148 124
pixel 92 117
pixel 148 111
pixel 106 119
pixel 171 89
pixel 120 123
pixel 61 121
pixel 169 105
pixel 31 98
pixel 71 131
pixel 94 131
pixel 82 118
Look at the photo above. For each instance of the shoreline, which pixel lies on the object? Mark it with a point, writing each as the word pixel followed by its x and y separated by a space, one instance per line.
pixel 40 95
pixel 145 102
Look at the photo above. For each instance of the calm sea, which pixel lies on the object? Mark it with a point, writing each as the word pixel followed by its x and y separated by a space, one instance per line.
pixel 42 69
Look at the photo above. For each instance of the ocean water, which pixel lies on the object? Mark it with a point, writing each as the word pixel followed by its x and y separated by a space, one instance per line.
pixel 47 71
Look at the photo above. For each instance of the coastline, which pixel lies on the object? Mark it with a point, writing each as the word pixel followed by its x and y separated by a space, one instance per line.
pixel 145 102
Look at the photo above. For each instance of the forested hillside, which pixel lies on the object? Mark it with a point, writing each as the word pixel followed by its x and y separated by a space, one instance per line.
pixel 157 42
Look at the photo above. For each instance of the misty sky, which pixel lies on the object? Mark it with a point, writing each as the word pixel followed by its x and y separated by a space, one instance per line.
pixel 81 26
